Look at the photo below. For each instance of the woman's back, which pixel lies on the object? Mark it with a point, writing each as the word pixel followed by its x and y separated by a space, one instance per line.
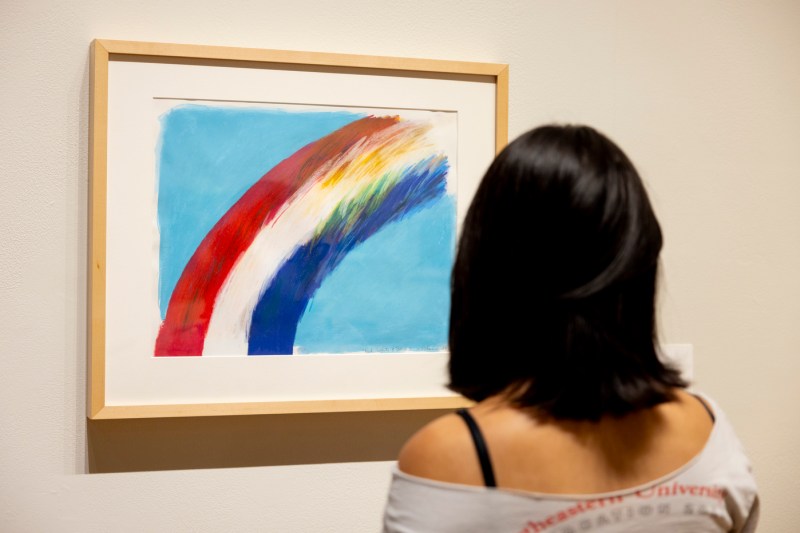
pixel 562 457
pixel 670 468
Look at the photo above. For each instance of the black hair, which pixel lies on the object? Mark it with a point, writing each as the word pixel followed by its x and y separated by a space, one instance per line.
pixel 553 288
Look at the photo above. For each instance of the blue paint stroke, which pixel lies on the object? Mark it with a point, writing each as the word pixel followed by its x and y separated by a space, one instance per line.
pixel 275 319
pixel 390 293
pixel 207 157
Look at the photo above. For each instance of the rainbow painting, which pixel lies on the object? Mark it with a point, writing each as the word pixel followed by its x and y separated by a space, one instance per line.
pixel 289 230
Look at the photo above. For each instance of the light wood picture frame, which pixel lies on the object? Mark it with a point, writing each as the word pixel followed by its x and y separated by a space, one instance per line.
pixel 132 84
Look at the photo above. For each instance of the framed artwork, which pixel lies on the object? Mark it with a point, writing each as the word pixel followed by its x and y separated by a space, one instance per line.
pixel 273 231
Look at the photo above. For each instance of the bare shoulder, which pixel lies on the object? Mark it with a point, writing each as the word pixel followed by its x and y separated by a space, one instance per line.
pixel 443 451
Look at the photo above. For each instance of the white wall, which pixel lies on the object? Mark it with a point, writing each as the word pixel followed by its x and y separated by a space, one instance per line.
pixel 704 95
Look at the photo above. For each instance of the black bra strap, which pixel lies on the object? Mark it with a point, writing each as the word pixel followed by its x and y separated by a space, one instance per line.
pixel 480 447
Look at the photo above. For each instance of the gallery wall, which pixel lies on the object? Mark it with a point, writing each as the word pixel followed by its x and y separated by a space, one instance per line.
pixel 703 95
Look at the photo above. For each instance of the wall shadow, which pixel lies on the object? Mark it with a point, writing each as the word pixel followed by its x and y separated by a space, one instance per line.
pixel 256 440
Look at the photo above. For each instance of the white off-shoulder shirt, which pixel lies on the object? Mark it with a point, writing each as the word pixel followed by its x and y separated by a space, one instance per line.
pixel 714 492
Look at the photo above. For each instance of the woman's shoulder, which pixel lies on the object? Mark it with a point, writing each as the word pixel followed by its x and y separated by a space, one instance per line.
pixel 530 454
pixel 442 450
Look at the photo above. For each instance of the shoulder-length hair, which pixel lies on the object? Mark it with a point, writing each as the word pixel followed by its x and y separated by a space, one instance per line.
pixel 553 288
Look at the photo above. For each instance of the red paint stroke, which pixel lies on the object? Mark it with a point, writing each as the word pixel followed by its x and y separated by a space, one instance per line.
pixel 183 331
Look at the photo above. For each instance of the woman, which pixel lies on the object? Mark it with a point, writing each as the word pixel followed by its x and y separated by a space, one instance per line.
pixel 578 425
